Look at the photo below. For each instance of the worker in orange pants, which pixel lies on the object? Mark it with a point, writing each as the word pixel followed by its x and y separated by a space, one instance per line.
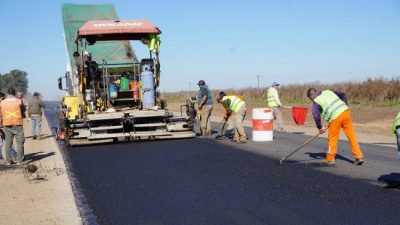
pixel 343 121
pixel 332 106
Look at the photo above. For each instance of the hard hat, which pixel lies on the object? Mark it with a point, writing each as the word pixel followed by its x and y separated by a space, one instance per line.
pixel 201 82
pixel 275 84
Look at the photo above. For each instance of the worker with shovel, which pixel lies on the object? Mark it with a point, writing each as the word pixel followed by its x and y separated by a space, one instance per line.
pixel 332 106
pixel 234 104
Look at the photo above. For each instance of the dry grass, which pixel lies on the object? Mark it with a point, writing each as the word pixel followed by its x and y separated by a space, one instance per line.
pixel 371 92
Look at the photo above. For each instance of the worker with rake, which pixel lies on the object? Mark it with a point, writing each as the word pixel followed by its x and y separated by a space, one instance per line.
pixel 332 106
pixel 233 104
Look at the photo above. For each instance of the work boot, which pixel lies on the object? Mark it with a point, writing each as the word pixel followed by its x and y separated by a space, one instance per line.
pixel 329 163
pixel 208 133
pixel 235 139
pixel 34 137
pixel 243 140
pixel 358 162
pixel 20 163
pixel 282 130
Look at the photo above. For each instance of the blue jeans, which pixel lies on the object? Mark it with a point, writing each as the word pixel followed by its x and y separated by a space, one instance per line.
pixel 398 140
pixel 36 122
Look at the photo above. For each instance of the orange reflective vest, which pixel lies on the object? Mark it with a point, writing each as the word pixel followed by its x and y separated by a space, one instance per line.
pixel 11 111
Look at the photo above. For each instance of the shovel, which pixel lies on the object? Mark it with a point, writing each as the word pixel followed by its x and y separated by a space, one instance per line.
pixel 220 136
pixel 297 149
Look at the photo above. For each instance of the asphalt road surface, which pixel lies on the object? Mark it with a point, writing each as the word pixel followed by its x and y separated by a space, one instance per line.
pixel 206 181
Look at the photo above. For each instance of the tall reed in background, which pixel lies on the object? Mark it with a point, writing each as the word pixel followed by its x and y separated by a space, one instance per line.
pixel 372 91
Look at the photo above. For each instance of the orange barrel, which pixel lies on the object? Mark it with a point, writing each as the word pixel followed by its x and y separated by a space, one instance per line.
pixel 263 120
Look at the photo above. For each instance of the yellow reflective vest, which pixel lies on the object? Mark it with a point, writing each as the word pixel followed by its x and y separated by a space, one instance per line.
pixel 235 104
pixel 154 43
pixel 396 122
pixel 270 98
pixel 332 106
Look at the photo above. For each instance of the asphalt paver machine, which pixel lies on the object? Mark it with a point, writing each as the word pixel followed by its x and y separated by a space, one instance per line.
pixel 111 95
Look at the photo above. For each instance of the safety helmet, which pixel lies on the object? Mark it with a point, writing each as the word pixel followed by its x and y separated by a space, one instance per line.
pixel 201 82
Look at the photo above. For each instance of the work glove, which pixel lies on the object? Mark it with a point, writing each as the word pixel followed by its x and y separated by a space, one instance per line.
pixel 322 130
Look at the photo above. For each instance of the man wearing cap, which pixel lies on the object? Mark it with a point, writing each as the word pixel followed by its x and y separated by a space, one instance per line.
pixel 35 111
pixel 272 99
pixel 233 104
pixel 205 106
pixel 332 106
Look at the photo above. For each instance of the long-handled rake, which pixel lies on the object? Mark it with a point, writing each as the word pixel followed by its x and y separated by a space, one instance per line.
pixel 297 149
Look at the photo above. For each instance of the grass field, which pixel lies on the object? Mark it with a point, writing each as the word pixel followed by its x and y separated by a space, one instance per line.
pixel 378 92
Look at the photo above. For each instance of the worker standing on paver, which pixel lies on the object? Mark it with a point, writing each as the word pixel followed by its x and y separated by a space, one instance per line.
pixel 11 109
pixel 396 131
pixel 234 104
pixel 272 99
pixel 332 106
pixel 205 106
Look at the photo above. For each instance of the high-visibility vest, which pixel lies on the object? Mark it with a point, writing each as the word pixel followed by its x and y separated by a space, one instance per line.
pixel 332 105
pixel 154 43
pixel 396 122
pixel 236 103
pixel 11 111
pixel 270 98
pixel 200 96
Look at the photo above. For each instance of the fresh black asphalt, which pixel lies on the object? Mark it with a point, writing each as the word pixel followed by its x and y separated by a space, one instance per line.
pixel 201 181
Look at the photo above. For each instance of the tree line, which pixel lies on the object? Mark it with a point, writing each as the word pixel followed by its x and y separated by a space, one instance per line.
pixel 16 79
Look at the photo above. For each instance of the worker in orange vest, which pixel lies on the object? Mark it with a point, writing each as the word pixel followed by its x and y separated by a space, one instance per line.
pixel 11 109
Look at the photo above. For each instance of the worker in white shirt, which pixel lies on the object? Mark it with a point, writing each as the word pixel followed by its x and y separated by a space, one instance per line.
pixel 272 99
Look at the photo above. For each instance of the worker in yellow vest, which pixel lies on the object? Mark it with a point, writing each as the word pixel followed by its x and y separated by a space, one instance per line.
pixel 396 130
pixel 272 99
pixel 11 109
pixel 229 132
pixel 234 104
pixel 332 106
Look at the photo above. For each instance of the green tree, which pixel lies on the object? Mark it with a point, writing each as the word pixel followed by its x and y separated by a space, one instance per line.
pixel 16 79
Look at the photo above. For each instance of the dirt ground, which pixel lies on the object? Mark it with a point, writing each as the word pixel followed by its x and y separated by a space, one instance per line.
pixel 43 197
pixel 373 124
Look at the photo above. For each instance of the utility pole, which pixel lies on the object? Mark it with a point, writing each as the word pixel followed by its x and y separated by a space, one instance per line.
pixel 258 81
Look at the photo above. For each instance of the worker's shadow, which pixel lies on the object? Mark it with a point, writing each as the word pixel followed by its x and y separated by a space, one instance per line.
pixel 32 157
pixel 392 180
pixel 321 155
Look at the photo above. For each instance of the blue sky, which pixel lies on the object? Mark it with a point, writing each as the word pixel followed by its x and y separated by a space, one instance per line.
pixel 226 43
